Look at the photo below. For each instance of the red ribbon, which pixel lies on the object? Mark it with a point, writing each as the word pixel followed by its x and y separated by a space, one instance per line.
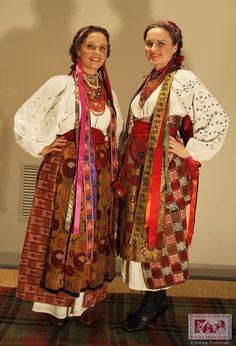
pixel 153 204
pixel 79 182
pixel 193 166
pixel 194 171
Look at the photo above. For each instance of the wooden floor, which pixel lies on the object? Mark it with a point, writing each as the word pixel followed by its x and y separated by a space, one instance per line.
pixel 192 288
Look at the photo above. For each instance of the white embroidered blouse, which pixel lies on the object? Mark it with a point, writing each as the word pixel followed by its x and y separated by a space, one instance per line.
pixel 50 111
pixel 189 96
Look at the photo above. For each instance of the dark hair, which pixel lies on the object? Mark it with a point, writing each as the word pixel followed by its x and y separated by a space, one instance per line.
pixel 81 36
pixel 173 30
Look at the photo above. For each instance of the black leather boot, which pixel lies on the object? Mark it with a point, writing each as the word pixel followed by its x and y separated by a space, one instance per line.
pixel 154 305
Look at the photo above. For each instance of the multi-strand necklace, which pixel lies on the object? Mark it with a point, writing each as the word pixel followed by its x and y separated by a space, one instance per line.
pixel 154 80
pixel 95 94
pixel 148 88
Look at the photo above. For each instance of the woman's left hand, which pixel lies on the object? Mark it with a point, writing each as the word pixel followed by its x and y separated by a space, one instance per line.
pixel 177 147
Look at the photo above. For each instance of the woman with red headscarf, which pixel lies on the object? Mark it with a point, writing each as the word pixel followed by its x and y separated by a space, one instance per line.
pixel 174 122
pixel 73 122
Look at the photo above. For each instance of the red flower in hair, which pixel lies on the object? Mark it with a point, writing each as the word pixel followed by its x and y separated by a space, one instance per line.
pixel 179 59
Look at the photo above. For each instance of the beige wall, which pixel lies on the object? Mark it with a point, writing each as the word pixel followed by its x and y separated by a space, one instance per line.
pixel 34 40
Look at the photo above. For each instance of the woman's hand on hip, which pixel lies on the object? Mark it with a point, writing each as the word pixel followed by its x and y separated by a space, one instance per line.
pixel 56 146
pixel 177 147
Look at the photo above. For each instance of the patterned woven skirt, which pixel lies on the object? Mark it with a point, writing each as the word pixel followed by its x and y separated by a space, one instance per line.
pixel 172 265
pixel 53 267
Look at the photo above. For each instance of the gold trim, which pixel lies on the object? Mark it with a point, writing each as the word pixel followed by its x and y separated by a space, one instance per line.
pixel 140 251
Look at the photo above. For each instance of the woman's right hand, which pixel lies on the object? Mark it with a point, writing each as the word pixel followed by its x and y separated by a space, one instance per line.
pixel 56 146
pixel 177 147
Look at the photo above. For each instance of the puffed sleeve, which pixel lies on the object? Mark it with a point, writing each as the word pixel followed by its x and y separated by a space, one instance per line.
pixel 120 122
pixel 210 122
pixel 37 122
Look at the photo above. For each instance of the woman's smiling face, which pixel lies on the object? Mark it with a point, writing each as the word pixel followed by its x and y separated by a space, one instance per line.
pixel 93 52
pixel 159 47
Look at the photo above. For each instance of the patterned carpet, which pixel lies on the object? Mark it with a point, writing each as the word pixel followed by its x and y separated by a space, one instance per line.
pixel 20 326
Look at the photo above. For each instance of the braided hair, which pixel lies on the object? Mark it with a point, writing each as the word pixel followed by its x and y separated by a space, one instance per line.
pixel 79 39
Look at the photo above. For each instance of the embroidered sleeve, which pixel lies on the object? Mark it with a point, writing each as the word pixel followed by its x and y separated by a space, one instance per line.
pixel 38 121
pixel 210 122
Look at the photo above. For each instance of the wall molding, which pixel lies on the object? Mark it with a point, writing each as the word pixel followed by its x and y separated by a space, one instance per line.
pixel 9 259
pixel 204 271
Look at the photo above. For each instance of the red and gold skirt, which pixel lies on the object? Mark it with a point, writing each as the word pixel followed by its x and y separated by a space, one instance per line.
pixel 53 266
pixel 172 265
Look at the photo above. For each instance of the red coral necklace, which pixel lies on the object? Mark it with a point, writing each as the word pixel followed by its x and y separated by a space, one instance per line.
pixel 95 94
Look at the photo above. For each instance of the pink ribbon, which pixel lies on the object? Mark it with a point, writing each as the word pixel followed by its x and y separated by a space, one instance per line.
pixel 79 181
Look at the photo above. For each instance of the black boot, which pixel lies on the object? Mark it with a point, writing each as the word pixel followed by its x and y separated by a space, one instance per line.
pixel 154 305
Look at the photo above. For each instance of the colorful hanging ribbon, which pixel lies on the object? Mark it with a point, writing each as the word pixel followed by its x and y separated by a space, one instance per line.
pixel 194 171
pixel 79 181
pixel 186 134
pixel 138 237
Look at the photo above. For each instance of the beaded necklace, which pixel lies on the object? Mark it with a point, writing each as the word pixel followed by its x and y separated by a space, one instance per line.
pixel 154 79
pixel 95 94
